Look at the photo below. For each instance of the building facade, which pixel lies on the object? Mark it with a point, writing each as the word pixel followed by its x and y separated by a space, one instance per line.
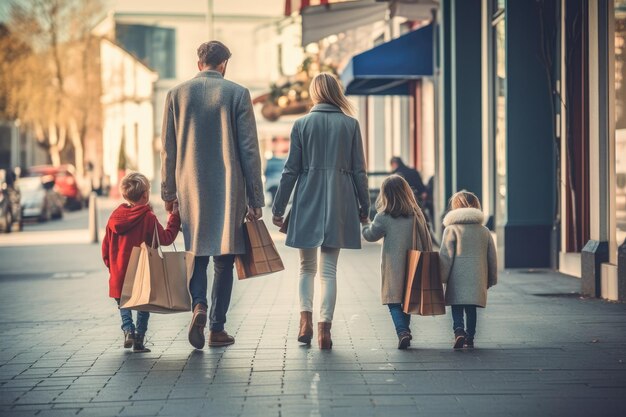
pixel 530 118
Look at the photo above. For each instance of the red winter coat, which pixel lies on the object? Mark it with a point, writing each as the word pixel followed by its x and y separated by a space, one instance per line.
pixel 128 227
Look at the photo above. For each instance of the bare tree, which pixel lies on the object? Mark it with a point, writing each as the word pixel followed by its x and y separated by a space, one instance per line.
pixel 61 96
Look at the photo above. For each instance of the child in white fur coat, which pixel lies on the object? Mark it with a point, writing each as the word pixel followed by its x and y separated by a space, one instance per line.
pixel 468 264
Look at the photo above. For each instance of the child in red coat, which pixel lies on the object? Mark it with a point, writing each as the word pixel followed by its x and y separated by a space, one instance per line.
pixel 130 225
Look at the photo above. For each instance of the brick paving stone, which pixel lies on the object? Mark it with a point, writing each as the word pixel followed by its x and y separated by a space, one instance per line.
pixel 541 350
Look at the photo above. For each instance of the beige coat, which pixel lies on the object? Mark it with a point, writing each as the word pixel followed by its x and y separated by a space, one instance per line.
pixel 211 162
pixel 467 257
pixel 398 234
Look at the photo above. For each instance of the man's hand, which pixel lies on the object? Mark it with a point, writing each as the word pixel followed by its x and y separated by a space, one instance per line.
pixel 254 213
pixel 169 205
pixel 364 218
pixel 278 220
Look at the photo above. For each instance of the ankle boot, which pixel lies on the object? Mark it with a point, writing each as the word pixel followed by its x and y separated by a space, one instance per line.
pixel 323 335
pixel 306 327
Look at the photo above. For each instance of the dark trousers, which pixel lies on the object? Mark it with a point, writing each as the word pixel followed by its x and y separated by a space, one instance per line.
pixel 458 319
pixel 221 291
pixel 400 319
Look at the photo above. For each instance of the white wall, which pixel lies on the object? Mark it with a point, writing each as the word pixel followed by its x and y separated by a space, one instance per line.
pixel 127 111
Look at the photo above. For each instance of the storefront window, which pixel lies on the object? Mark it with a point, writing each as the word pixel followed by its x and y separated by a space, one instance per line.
pixel 498 6
pixel 499 88
pixel 620 120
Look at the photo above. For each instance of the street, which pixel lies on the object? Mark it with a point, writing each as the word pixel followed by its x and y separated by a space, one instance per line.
pixel 542 350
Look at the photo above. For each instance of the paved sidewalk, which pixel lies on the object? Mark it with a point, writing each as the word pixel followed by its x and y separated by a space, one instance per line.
pixel 541 350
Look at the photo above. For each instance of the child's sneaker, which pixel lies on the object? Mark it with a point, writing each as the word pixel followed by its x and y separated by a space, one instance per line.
pixel 469 343
pixel 404 340
pixel 138 346
pixel 129 338
pixel 459 338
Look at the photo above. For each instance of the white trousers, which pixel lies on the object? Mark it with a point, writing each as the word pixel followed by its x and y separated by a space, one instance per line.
pixel 328 277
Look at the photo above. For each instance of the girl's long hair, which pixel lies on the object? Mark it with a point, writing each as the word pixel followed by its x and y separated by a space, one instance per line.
pixel 325 88
pixel 396 198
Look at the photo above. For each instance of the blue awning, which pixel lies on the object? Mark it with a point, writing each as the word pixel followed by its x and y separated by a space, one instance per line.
pixel 387 69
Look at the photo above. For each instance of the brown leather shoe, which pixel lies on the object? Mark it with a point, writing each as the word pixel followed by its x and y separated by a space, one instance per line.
pixel 323 335
pixel 196 328
pixel 306 327
pixel 222 338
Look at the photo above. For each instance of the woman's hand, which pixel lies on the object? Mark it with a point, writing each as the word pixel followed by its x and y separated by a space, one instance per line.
pixel 364 218
pixel 278 220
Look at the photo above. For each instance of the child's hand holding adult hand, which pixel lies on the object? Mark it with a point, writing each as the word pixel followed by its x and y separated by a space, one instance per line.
pixel 278 220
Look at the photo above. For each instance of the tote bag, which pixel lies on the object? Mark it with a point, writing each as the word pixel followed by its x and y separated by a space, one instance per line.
pixel 157 281
pixel 423 293
pixel 261 257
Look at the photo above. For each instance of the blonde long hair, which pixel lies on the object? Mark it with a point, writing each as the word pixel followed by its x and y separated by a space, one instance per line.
pixel 325 88
pixel 396 198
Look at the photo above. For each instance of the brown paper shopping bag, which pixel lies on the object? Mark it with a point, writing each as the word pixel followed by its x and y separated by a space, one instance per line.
pixel 157 281
pixel 261 257
pixel 423 293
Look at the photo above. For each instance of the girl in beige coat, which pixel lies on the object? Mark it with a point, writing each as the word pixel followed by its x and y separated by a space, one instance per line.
pixel 401 223
pixel 468 264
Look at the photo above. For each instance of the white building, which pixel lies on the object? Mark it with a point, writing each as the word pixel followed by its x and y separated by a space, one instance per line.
pixel 128 112
pixel 165 35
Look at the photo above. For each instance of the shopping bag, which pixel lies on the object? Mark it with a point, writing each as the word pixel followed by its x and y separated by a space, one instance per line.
pixel 261 257
pixel 157 281
pixel 424 290
pixel 423 293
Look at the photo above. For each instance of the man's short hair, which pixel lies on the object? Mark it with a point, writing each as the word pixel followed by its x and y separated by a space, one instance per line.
pixel 213 53
pixel 133 186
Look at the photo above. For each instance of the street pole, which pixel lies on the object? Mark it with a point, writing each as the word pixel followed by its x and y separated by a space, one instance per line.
pixel 93 218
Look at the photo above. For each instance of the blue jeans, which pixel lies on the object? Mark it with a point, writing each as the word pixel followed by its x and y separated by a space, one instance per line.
pixel 127 320
pixel 458 322
pixel 400 319
pixel 221 291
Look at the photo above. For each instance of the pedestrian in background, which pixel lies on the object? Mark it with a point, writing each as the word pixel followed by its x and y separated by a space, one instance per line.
pixel 327 162
pixel 399 220
pixel 130 225
pixel 468 264
pixel 211 165
pixel 412 176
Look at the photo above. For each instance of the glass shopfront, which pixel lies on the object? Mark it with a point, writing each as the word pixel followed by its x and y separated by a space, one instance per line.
pixel 620 121
pixel 499 91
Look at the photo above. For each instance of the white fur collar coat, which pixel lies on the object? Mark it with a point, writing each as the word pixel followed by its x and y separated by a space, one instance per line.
pixel 468 259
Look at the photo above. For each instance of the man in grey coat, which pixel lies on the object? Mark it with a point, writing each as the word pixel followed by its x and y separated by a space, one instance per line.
pixel 210 166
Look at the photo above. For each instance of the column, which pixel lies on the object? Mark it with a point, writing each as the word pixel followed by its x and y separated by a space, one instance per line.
pixel 524 231
pixel 466 82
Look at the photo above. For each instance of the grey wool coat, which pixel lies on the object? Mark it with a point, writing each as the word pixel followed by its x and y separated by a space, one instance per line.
pixel 210 161
pixel 327 163
pixel 468 260
pixel 398 234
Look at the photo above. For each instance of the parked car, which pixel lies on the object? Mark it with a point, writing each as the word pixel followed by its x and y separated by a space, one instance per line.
pixel 273 171
pixel 40 200
pixel 67 184
pixel 10 199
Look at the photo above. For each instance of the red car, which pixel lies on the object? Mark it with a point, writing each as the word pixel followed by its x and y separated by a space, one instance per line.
pixel 65 183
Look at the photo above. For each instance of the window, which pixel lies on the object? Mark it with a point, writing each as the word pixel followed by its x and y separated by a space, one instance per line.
pixel 620 121
pixel 155 46
pixel 499 103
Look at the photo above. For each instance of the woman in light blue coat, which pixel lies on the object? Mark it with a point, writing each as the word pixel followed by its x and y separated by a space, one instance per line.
pixel 326 165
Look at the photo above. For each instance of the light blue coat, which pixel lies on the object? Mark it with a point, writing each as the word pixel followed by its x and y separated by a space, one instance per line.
pixel 327 162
